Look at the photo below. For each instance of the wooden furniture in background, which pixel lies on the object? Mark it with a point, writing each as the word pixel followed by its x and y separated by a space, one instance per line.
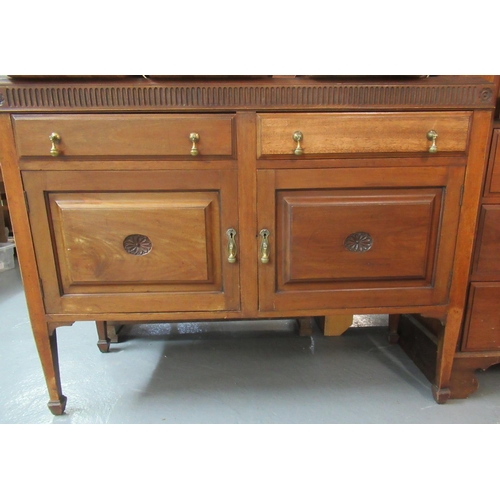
pixel 170 200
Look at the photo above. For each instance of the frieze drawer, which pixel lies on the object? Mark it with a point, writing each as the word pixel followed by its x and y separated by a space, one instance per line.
pixel 303 134
pixel 185 136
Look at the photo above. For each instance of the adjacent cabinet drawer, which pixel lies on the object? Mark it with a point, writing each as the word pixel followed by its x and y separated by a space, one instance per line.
pixel 482 325
pixel 305 134
pixel 191 136
pixel 493 185
pixel 487 260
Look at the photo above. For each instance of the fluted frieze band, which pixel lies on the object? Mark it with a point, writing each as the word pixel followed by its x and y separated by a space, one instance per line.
pixel 231 96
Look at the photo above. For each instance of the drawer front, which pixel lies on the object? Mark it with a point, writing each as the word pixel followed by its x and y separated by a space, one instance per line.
pixel 487 259
pixel 361 133
pixel 482 324
pixel 117 242
pixel 494 165
pixel 124 135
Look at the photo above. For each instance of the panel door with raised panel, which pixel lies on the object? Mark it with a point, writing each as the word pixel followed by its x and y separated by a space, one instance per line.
pixel 338 240
pixel 115 242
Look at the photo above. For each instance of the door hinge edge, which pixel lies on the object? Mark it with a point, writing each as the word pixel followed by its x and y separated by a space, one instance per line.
pixel 26 202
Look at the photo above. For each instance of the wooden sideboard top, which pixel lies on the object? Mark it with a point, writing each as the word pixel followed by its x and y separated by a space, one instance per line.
pixel 68 94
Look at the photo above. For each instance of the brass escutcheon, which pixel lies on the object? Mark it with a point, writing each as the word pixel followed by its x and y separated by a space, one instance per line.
pixel 231 245
pixel 264 246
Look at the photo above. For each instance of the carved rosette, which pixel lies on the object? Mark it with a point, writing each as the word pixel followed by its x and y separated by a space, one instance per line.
pixel 358 242
pixel 137 244
pixel 485 95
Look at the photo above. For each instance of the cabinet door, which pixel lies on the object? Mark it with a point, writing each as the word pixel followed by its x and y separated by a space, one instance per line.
pixel 135 242
pixel 357 237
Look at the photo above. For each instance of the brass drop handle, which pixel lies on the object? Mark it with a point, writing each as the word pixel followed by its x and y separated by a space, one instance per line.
pixel 55 139
pixel 194 138
pixel 432 136
pixel 297 137
pixel 231 245
pixel 264 246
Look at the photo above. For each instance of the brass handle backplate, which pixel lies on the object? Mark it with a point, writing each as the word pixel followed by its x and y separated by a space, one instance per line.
pixel 297 137
pixel 264 246
pixel 432 136
pixel 194 138
pixel 55 139
pixel 231 245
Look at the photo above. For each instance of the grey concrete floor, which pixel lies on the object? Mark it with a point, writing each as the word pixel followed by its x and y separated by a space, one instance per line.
pixel 224 372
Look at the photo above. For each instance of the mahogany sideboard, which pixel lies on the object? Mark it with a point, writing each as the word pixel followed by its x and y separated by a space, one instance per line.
pixel 168 199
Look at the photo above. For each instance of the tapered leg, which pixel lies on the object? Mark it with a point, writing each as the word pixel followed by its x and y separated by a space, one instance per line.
pixel 102 332
pixel 113 330
pixel 46 343
pixel 44 333
pixel 440 395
